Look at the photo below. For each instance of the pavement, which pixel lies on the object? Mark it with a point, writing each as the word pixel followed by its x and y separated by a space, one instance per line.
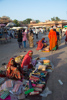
pixel 58 58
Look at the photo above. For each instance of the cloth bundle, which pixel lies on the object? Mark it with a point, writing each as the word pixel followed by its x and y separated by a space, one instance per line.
pixel 42 67
pixel 18 88
pixel 46 49
pixel 6 85
pixel 18 59
pixel 5 94
pixel 33 62
pixel 46 62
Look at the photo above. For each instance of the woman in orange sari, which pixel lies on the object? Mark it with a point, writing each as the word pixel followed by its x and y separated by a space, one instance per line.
pixel 12 70
pixel 52 39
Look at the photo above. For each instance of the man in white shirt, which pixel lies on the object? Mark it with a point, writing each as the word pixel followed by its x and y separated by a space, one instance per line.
pixel 36 31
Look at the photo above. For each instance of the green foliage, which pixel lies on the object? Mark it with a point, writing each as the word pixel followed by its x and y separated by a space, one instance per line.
pixel 55 19
pixel 37 21
pixel 16 22
pixel 27 21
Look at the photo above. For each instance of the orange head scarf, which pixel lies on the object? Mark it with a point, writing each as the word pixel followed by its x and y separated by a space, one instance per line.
pixel 42 39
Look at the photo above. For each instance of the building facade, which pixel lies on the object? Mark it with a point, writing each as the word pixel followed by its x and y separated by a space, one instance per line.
pixel 5 20
pixel 48 23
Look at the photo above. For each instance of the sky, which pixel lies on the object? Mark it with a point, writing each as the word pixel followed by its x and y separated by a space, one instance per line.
pixel 35 9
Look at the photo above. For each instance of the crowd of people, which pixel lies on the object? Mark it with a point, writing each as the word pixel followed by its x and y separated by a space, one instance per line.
pixel 15 69
pixel 55 35
pixel 23 36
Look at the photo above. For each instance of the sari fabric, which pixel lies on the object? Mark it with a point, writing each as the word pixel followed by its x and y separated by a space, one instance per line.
pixel 66 36
pixel 40 45
pixel 31 44
pixel 27 60
pixel 52 39
pixel 12 71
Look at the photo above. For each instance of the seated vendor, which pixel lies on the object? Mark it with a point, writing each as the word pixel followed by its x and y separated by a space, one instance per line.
pixel 26 63
pixel 13 69
pixel 41 44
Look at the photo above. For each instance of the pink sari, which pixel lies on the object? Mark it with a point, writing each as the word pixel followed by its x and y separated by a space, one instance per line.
pixel 66 36
pixel 40 45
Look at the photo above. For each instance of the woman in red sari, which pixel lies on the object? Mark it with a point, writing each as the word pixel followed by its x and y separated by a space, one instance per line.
pixel 12 70
pixel 26 63
pixel 40 45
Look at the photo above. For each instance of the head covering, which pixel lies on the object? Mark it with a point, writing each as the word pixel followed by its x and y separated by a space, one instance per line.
pixel 30 51
pixel 8 66
pixel 9 63
pixel 42 39
pixel 51 30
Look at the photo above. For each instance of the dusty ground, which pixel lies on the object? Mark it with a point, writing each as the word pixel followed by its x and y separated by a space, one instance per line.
pixel 59 59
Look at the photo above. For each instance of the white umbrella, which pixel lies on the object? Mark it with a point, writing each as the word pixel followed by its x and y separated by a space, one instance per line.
pixel 11 24
pixel 17 28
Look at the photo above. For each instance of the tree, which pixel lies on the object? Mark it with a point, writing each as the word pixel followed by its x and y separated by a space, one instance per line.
pixel 58 19
pixel 27 21
pixel 55 19
pixel 16 22
pixel 37 21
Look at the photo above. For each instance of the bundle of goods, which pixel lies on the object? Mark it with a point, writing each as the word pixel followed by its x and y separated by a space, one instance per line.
pixel 12 88
pixel 38 77
pixel 19 59
pixel 4 95
pixel 46 49
pixel 37 81
pixel 4 89
pixel 49 66
pixel 6 85
pixel 34 86
pixel 46 62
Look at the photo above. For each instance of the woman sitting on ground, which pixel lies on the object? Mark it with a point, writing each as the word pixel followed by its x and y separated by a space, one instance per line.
pixel 26 63
pixel 41 44
pixel 13 69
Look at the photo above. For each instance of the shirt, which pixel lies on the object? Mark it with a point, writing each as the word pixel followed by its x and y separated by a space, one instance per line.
pixel 24 36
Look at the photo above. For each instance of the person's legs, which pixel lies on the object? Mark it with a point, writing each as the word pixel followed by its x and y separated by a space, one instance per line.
pixel 24 44
pixel 19 44
pixel 36 36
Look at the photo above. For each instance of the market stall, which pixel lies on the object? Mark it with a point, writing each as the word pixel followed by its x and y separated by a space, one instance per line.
pixel 32 84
